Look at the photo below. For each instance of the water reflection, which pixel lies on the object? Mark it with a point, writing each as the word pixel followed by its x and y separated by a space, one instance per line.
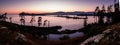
pixel 85 22
pixel 48 21
pixel 70 36
pixel 65 37
pixel 53 21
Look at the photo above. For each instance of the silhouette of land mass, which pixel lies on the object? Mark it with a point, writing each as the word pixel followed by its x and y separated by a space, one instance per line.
pixel 61 13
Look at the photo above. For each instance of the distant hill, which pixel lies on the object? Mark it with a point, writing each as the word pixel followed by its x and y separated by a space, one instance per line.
pixel 62 13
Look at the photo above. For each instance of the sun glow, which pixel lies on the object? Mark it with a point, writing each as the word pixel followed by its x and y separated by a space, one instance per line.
pixel 43 6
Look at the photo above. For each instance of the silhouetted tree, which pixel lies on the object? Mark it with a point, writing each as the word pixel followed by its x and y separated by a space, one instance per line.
pixel 109 9
pixel 96 13
pixel 109 13
pixel 32 20
pixel 45 21
pixel 10 18
pixel 22 20
pixel 103 9
pixel 100 14
pixel 39 21
pixel 3 16
pixel 116 16
pixel 97 9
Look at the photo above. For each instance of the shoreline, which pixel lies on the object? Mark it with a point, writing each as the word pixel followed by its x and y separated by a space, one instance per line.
pixel 89 30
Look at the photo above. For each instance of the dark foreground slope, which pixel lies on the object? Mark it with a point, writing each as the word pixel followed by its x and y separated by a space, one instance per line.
pixel 111 36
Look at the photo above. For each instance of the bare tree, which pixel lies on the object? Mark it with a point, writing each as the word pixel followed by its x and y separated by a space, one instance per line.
pixel 103 9
pixel 97 9
pixel 109 9
pixel 96 12
pixel 32 20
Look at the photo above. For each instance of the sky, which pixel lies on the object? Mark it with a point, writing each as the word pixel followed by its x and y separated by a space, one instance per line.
pixel 43 6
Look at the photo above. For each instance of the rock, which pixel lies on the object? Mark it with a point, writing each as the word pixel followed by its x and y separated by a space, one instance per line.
pixel 3 28
pixel 107 37
pixel 20 36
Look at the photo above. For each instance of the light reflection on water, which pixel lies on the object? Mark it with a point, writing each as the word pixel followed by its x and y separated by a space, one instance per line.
pixel 55 21
pixel 71 24
pixel 58 36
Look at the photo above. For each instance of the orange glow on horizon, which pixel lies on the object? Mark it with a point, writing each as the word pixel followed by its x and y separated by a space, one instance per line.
pixel 45 7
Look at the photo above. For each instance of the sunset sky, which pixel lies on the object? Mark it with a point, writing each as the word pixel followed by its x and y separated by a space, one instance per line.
pixel 42 6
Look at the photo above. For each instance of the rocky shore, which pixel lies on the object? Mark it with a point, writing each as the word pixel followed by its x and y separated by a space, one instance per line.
pixel 111 36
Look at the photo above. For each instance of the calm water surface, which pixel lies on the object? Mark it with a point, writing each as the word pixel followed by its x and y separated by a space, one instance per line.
pixel 55 21
pixel 71 24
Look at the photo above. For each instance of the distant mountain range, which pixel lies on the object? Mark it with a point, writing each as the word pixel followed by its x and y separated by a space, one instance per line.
pixel 61 13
